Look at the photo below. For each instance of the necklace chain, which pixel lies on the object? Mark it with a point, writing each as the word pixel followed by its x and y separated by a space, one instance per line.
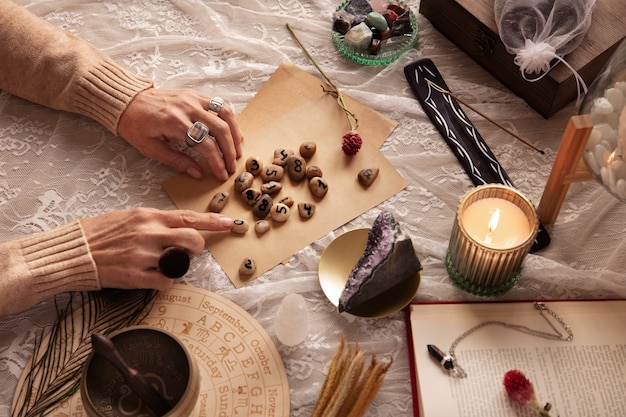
pixel 541 308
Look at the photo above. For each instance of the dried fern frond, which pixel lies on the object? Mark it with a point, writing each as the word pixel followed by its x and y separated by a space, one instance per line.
pixel 53 373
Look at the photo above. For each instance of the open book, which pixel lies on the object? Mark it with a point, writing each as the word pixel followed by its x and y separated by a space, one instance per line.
pixel 582 377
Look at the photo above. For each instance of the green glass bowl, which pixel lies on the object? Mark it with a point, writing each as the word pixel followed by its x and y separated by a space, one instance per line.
pixel 390 50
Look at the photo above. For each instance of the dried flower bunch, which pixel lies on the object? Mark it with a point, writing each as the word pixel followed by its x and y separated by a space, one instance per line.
pixel 351 141
pixel 521 390
pixel 352 382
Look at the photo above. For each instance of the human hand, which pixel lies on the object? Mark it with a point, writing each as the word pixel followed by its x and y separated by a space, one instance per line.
pixel 126 245
pixel 155 117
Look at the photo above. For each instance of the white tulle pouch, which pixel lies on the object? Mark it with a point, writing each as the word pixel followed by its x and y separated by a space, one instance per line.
pixel 540 33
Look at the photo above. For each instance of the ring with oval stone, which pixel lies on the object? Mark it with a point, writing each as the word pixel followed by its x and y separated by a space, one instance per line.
pixel 196 134
pixel 174 262
pixel 216 104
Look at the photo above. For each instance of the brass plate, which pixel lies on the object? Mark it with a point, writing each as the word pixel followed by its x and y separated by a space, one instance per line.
pixel 335 266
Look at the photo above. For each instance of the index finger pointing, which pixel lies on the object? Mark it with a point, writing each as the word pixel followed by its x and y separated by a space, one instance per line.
pixel 199 221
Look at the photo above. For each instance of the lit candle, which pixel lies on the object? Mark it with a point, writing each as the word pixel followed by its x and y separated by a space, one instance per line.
pixel 494 229
pixel 496 223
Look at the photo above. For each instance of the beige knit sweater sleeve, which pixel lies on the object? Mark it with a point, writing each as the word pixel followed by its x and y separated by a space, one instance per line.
pixel 48 263
pixel 49 66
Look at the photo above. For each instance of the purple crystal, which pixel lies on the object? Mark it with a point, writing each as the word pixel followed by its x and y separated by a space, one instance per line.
pixel 388 252
pixel 359 7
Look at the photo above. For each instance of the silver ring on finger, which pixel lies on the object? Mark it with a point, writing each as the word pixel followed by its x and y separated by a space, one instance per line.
pixel 196 134
pixel 216 104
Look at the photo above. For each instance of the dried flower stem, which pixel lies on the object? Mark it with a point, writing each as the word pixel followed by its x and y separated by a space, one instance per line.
pixel 351 383
pixel 352 119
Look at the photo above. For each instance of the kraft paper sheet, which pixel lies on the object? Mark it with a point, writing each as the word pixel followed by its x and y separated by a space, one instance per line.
pixel 291 108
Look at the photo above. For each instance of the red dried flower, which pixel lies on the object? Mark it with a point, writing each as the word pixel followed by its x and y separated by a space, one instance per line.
pixel 351 143
pixel 520 389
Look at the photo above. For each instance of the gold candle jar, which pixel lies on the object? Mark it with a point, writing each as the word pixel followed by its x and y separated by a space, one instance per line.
pixel 494 229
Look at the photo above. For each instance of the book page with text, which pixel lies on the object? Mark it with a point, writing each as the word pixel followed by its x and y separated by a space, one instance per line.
pixel 584 377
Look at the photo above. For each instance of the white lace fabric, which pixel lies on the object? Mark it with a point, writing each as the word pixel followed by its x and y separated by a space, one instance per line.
pixel 56 167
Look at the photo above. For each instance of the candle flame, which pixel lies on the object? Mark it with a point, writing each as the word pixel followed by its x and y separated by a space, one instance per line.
pixel 495 218
pixel 611 157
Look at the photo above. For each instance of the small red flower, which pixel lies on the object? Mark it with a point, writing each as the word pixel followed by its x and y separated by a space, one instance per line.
pixel 351 143
pixel 519 388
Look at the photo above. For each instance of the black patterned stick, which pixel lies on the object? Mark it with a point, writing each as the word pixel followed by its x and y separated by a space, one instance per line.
pixel 459 132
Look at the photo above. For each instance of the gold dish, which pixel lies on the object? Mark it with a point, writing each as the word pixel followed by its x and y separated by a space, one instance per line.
pixel 335 266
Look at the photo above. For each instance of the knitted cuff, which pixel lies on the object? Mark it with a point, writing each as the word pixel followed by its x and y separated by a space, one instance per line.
pixel 105 91
pixel 59 261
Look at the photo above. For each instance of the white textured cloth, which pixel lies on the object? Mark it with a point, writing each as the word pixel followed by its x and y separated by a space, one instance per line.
pixel 230 48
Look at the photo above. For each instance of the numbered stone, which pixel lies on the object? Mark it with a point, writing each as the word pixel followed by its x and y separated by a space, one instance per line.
pixel 313 171
pixel 261 226
pixel 308 149
pixel 218 202
pixel 280 212
pixel 281 155
pixel 367 176
pixel 263 206
pixel 288 201
pixel 306 210
pixel 254 166
pixel 272 172
pixel 240 226
pixel 247 267
pixel 296 167
pixel 243 182
pixel 251 196
pixel 271 187
pixel 318 186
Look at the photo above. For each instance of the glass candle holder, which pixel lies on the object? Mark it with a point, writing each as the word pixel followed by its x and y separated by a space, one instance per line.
pixel 494 228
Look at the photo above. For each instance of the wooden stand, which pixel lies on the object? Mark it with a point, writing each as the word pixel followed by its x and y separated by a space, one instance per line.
pixel 568 167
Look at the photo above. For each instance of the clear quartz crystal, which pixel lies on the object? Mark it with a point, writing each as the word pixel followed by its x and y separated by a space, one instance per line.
pixel 292 320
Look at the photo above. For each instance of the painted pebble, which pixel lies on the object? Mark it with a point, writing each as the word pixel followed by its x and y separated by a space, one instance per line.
pixel 240 226
pixel 296 167
pixel 251 196
pixel 281 155
pixel 368 175
pixel 271 187
pixel 313 171
pixel 288 201
pixel 272 172
pixel 261 226
pixel 243 182
pixel 306 210
pixel 262 207
pixel 254 166
pixel 280 212
pixel 218 202
pixel 247 267
pixel 308 149
pixel 318 186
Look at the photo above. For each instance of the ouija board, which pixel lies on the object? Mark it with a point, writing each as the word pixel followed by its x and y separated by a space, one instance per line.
pixel 242 373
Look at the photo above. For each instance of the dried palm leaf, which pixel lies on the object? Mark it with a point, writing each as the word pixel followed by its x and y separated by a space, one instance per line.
pixel 53 373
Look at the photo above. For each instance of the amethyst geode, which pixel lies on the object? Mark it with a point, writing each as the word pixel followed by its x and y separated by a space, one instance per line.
pixel 388 259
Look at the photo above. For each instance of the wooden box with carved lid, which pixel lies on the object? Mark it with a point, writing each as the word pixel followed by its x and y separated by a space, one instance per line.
pixel 471 25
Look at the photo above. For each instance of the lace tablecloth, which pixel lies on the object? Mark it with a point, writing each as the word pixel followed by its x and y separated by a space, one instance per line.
pixel 55 167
